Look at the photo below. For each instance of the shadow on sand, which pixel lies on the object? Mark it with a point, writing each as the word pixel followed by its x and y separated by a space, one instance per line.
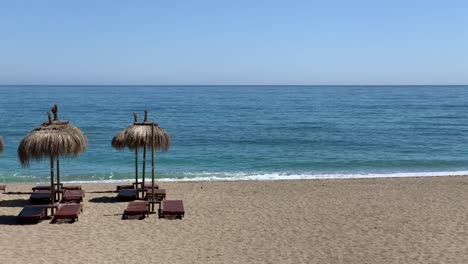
pixel 14 203
pixel 104 199
pixel 8 220
pixel 17 193
pixel 102 192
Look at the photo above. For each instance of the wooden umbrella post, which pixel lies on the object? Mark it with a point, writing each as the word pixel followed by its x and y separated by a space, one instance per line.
pixel 144 155
pixel 144 168
pixel 58 179
pixel 152 167
pixel 136 167
pixel 52 193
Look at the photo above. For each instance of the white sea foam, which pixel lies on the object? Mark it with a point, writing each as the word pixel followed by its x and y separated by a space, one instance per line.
pixel 224 176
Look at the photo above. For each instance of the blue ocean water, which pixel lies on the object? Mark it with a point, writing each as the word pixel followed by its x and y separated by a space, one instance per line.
pixel 243 132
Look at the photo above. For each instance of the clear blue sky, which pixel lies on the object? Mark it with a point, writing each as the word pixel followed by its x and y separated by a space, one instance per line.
pixel 234 42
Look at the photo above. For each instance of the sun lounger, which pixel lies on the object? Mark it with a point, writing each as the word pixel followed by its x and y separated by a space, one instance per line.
pixel 32 214
pixel 68 212
pixel 128 186
pixel 136 209
pixel 171 208
pixel 40 197
pixel 47 187
pixel 124 187
pixel 2 188
pixel 41 188
pixel 149 186
pixel 159 194
pixel 73 196
pixel 72 187
pixel 127 195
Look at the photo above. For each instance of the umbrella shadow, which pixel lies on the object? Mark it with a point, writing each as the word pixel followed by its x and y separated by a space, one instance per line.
pixel 104 199
pixel 14 203
pixel 102 192
pixel 8 220
pixel 16 193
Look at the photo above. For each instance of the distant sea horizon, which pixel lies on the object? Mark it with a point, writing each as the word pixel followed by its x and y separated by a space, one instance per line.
pixel 277 132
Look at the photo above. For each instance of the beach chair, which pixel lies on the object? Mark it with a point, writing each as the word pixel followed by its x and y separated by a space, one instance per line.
pixel 47 187
pixel 127 195
pixel 2 188
pixel 31 215
pixel 71 187
pixel 171 208
pixel 141 209
pixel 149 186
pixel 159 194
pixel 134 185
pixel 41 188
pixel 68 212
pixel 73 196
pixel 40 197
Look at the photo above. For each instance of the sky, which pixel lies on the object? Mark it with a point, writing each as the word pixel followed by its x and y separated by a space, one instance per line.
pixel 242 42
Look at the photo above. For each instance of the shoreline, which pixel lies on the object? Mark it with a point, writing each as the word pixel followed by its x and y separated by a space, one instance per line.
pixel 256 178
pixel 385 220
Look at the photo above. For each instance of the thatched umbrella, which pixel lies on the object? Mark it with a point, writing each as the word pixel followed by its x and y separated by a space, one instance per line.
pixel 1 144
pixel 142 135
pixel 52 139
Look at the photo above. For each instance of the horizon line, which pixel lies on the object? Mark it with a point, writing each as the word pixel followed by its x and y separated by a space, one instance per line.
pixel 232 85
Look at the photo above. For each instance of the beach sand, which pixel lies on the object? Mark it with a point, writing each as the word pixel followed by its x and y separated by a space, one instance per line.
pixel 392 220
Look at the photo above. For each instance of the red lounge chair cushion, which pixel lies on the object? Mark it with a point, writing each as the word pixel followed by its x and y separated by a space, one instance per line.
pixel 68 211
pixel 72 187
pixel 124 187
pixel 73 195
pixel 40 195
pixel 41 188
pixel 149 186
pixel 159 194
pixel 31 214
pixel 126 194
pixel 172 207
pixel 137 208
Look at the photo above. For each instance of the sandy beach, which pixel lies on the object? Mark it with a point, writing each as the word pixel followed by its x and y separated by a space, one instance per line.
pixel 392 220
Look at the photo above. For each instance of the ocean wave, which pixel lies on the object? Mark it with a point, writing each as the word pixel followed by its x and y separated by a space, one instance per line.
pixel 242 176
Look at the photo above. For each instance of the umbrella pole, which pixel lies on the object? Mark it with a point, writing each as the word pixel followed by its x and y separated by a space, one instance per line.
pixel 152 167
pixel 144 167
pixel 58 178
pixel 136 168
pixel 52 193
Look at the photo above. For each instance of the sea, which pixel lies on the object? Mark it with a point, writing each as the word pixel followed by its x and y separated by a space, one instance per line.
pixel 248 132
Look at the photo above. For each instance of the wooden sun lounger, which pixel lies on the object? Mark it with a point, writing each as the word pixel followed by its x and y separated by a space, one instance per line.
pixel 171 208
pixel 149 186
pixel 41 188
pixel 75 196
pixel 124 187
pixel 47 187
pixel 2 188
pixel 159 194
pixel 40 197
pixel 137 209
pixel 127 195
pixel 68 212
pixel 71 187
pixel 134 185
pixel 32 214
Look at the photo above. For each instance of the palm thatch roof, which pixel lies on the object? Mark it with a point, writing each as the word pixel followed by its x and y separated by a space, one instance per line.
pixel 1 144
pixel 53 138
pixel 138 135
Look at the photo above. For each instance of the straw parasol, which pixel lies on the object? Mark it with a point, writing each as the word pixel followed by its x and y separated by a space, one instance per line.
pixel 52 139
pixel 142 135
pixel 1 144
